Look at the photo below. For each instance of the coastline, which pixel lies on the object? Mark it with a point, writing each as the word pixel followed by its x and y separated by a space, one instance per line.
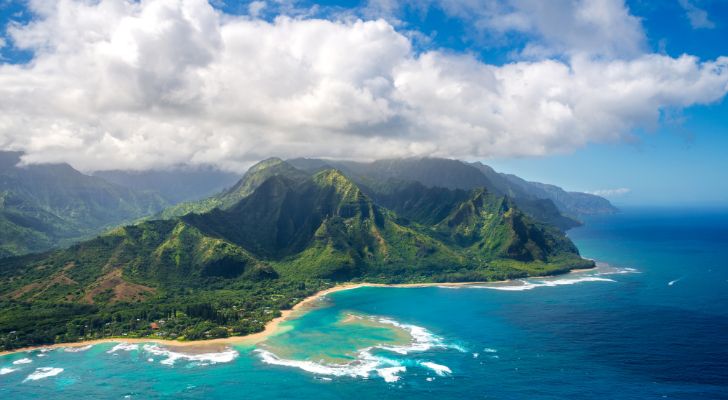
pixel 270 329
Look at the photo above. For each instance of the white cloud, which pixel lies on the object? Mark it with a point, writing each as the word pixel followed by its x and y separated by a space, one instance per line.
pixel 255 8
pixel 595 27
pixel 697 16
pixel 162 82
pixel 611 192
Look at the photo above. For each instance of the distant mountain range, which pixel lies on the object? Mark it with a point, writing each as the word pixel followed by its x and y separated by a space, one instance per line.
pixel 175 185
pixel 231 261
pixel 454 174
pixel 44 206
pixel 53 205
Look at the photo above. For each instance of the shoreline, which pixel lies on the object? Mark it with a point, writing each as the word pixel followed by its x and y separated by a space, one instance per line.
pixel 271 327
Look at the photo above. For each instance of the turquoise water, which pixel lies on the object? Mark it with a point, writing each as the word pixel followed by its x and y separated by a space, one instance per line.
pixel 651 324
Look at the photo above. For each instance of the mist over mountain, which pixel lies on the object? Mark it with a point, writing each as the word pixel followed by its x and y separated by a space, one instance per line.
pixel 43 206
pixel 175 185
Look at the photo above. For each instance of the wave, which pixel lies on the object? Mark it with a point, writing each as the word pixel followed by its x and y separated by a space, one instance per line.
pixel 594 275
pixel 606 269
pixel 43 372
pixel 22 361
pixel 422 339
pixel 170 357
pixel 77 349
pixel 529 284
pixel 5 371
pixel 361 367
pixel 389 374
pixel 200 359
pixel 123 346
pixel 441 370
pixel 367 365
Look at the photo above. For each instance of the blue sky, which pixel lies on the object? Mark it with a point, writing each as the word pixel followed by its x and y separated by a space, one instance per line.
pixel 430 78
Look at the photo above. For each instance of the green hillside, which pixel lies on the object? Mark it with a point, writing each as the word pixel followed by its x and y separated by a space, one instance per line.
pixel 52 205
pixel 228 270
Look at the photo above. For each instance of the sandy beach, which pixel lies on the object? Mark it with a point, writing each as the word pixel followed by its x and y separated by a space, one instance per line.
pixel 271 328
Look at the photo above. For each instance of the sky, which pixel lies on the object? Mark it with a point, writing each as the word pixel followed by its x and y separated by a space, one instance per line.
pixel 626 99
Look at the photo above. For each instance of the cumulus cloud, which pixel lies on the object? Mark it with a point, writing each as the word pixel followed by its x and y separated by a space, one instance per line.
pixel 162 82
pixel 611 192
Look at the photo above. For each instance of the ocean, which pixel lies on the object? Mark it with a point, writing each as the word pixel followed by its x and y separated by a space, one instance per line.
pixel 650 323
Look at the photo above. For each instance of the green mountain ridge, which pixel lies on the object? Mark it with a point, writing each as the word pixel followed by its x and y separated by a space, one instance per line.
pixel 277 236
pixel 53 205
pixel 546 203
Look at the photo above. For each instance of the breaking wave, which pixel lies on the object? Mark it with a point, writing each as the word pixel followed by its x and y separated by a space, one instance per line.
pixel 170 357
pixel 124 347
pixel 529 284
pixel 598 274
pixel 369 365
pixel 43 372
pixel 200 359
pixel 77 349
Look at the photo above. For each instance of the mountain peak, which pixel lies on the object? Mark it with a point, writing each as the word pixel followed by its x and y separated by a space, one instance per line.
pixel 340 182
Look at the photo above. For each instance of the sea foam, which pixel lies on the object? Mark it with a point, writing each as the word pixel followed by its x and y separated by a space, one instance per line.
pixel 389 374
pixel 22 361
pixel 366 364
pixel 441 370
pixel 77 349
pixel 123 346
pixel 529 284
pixel 5 371
pixel 200 359
pixel 43 372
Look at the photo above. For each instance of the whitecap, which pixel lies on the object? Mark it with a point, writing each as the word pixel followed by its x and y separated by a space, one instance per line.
pixel 389 374
pixel 367 364
pixel 77 349
pixel 489 350
pixel 43 372
pixel 124 347
pixel 359 368
pixel 442 370
pixel 5 371
pixel 525 284
pixel 422 339
pixel 22 361
pixel 201 359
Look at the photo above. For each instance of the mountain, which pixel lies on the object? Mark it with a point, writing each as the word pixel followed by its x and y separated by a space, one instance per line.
pixel 451 174
pixel 454 174
pixel 244 187
pixel 283 235
pixel 571 203
pixel 49 205
pixel 174 185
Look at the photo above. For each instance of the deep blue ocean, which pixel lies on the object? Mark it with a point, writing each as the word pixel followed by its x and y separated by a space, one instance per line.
pixel 650 323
